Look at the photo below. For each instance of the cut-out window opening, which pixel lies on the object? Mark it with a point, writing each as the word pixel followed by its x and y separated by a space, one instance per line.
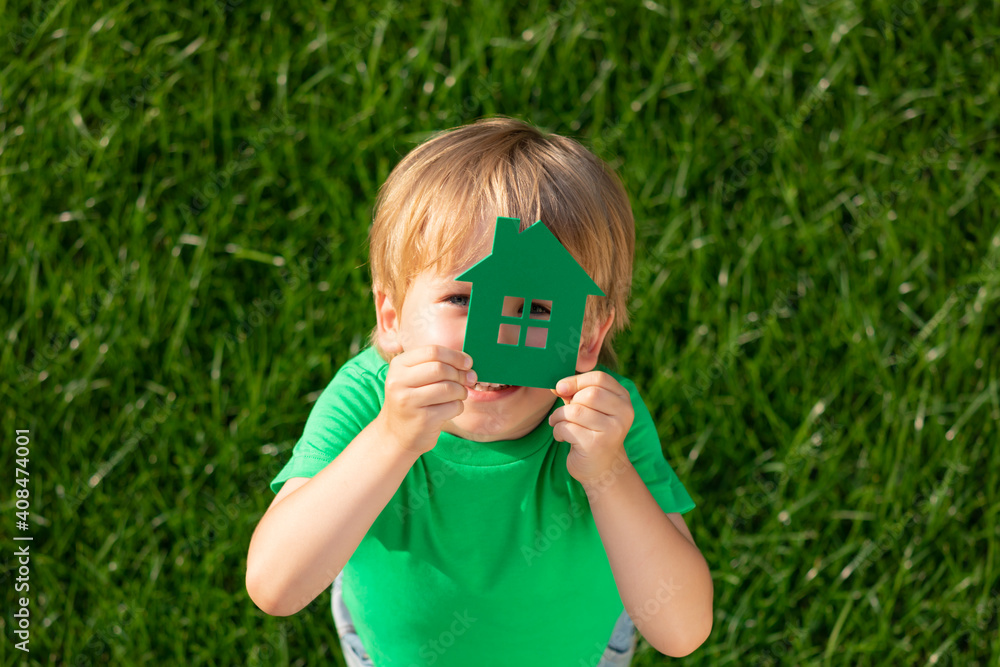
pixel 512 306
pixel 544 310
pixel 537 337
pixel 539 314
pixel 509 333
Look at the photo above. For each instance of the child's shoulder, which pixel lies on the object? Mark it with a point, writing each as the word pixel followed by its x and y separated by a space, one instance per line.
pixel 356 389
pixel 367 367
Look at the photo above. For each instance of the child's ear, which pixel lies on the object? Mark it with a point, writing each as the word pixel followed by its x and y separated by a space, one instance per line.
pixel 387 322
pixel 590 348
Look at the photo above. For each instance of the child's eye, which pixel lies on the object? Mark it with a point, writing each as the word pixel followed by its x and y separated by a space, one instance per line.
pixel 459 300
pixel 536 308
pixel 539 309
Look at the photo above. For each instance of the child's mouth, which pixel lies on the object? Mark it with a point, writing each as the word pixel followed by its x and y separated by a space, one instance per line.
pixel 489 386
pixel 488 391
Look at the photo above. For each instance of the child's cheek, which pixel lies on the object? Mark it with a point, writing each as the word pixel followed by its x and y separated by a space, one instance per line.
pixel 439 327
pixel 451 332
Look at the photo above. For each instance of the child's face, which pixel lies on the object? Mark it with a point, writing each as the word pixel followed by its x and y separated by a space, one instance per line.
pixel 434 313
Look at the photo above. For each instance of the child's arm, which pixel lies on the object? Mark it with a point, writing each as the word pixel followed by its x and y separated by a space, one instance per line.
pixel 307 535
pixel 661 575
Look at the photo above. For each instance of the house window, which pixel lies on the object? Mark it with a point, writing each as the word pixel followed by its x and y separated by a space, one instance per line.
pixel 514 329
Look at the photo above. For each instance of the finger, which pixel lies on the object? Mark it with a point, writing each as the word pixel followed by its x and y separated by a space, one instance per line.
pixel 431 372
pixel 569 386
pixel 572 433
pixel 446 411
pixel 426 353
pixel 601 400
pixel 589 419
pixel 437 394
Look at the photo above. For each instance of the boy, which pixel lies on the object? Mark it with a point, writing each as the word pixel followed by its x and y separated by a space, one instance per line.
pixel 462 523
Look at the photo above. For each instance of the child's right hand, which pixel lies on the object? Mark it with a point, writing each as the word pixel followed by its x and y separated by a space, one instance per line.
pixel 424 388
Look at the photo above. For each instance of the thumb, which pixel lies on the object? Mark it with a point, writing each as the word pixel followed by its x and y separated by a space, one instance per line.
pixel 565 401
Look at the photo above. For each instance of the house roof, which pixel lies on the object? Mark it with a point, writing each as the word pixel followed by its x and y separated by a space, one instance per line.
pixel 521 261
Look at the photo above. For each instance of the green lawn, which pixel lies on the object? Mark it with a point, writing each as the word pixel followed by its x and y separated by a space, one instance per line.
pixel 184 201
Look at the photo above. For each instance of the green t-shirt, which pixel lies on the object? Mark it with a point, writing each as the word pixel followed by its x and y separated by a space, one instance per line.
pixel 488 553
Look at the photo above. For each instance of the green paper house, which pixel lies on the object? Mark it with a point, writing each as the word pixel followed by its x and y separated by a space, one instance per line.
pixel 526 308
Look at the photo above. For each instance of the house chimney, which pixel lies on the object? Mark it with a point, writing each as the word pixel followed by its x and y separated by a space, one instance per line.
pixel 506 236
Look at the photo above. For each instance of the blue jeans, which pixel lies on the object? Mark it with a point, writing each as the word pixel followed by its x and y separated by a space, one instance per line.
pixel 619 652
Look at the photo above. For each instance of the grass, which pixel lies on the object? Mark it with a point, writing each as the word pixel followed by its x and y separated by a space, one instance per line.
pixel 184 198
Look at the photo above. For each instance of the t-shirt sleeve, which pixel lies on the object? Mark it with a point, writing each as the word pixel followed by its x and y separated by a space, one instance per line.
pixel 348 404
pixel 642 444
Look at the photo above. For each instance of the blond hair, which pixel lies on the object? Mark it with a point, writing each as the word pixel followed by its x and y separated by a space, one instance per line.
pixel 438 207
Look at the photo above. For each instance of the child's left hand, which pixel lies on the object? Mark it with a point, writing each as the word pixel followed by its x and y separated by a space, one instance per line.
pixel 595 420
